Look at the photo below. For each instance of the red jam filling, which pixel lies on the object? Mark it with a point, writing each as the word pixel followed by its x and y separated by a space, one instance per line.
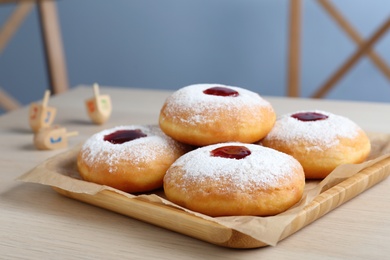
pixel 221 91
pixel 123 136
pixel 231 152
pixel 309 116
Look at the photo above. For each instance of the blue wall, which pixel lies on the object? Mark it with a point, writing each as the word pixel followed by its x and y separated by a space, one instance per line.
pixel 171 43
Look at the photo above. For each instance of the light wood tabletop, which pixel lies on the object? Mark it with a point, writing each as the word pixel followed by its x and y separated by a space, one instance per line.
pixel 36 222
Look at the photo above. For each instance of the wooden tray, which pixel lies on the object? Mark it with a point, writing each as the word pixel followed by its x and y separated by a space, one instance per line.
pixel 188 224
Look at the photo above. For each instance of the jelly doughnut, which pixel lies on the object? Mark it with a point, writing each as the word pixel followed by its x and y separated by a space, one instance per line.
pixel 204 114
pixel 235 179
pixel 129 158
pixel 319 140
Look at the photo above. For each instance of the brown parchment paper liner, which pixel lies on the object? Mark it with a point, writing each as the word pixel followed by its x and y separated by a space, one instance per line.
pixel 61 171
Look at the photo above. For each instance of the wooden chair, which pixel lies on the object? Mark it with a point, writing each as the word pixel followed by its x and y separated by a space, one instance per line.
pixel 364 48
pixel 51 39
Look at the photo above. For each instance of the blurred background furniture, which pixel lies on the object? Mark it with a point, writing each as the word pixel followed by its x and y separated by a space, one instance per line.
pixel 51 40
pixel 130 44
pixel 364 47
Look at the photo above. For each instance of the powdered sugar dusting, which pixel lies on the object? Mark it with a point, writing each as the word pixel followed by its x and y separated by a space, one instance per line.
pixel 141 150
pixel 193 101
pixel 320 134
pixel 263 168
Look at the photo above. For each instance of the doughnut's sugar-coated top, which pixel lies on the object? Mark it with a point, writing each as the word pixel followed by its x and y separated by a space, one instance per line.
pixel 202 107
pixel 319 134
pixel 140 150
pixel 262 169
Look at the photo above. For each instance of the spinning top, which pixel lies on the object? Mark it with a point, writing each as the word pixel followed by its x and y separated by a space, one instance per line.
pixel 51 138
pixel 99 107
pixel 41 115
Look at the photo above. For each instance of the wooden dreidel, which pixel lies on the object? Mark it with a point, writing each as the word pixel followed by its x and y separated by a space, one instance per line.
pixel 51 138
pixel 41 115
pixel 99 107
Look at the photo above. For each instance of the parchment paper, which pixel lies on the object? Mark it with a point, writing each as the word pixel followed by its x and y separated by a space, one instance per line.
pixel 61 171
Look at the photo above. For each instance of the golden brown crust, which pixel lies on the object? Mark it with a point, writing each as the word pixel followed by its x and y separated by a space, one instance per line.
pixel 256 203
pixel 240 127
pixel 342 143
pixel 127 172
pixel 320 163
pixel 130 177
pixel 225 194
pixel 209 120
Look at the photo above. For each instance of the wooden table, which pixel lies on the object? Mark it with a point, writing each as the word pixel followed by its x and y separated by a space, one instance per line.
pixel 38 223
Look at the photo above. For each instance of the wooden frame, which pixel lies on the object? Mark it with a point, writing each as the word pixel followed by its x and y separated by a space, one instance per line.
pixel 51 39
pixel 364 48
pixel 51 35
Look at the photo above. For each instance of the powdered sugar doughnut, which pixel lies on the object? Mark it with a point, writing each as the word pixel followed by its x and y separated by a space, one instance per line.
pixel 235 179
pixel 319 140
pixel 204 114
pixel 130 158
